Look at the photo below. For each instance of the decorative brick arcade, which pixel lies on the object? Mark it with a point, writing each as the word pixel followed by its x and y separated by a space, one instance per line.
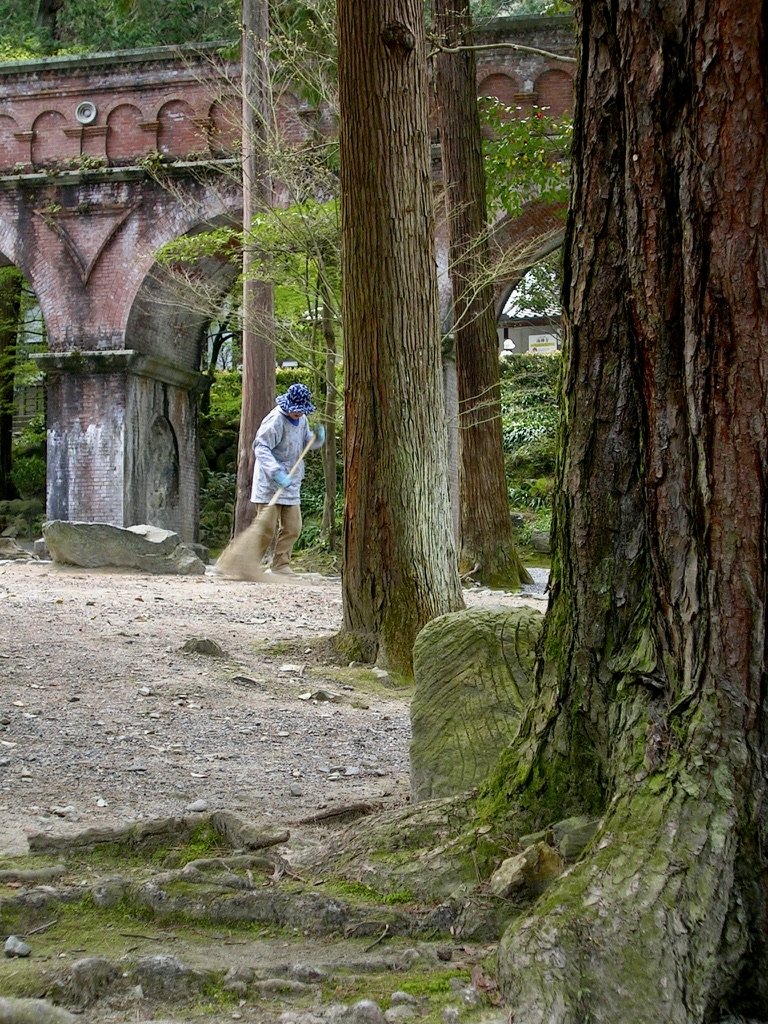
pixel 104 159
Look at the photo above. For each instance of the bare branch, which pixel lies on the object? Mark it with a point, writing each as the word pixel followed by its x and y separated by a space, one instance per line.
pixel 442 48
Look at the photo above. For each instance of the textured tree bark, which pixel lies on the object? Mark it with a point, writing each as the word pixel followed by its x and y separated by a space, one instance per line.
pixel 487 548
pixel 657 623
pixel 258 344
pixel 328 525
pixel 399 556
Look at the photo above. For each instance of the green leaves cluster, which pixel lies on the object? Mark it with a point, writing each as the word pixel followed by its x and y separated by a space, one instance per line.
pixel 484 9
pixel 525 157
pixel 87 25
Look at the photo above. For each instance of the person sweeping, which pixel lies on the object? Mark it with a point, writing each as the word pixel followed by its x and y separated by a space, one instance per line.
pixel 281 442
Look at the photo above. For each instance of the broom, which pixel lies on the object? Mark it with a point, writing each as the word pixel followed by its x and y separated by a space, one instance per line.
pixel 236 560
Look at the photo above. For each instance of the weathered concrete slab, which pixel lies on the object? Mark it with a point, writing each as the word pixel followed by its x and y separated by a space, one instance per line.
pixel 100 545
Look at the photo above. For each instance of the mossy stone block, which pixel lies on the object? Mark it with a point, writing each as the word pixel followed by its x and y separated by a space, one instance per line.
pixel 473 672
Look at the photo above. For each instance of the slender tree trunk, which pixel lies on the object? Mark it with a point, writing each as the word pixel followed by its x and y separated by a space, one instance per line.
pixel 487 548
pixel 400 562
pixel 655 710
pixel 47 15
pixel 258 343
pixel 328 526
pixel 10 304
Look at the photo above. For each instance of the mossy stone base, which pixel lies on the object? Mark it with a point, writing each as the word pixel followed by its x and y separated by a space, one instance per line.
pixel 474 672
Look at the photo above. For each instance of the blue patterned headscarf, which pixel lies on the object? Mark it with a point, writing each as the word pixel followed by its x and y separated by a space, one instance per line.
pixel 297 399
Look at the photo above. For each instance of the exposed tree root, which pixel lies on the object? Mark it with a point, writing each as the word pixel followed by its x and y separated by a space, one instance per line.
pixel 655 923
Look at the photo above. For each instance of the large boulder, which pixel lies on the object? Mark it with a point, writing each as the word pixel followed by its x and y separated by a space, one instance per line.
pixel 100 545
pixel 474 673
pixel 33 1011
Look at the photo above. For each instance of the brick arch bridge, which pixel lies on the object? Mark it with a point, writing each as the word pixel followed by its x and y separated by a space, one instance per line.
pixel 105 158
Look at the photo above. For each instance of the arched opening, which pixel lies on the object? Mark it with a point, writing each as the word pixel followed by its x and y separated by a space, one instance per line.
pixel 503 87
pixel 125 136
pixel 11 149
pixel 178 134
pixel 226 126
pixel 50 144
pixel 161 456
pixel 531 320
pixel 554 92
pixel 180 322
pixel 22 407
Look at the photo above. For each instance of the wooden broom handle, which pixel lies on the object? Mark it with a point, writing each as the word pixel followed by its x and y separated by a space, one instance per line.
pixel 294 467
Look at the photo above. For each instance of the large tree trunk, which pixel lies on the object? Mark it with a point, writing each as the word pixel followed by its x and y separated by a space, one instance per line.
pixel 657 627
pixel 400 562
pixel 487 548
pixel 258 303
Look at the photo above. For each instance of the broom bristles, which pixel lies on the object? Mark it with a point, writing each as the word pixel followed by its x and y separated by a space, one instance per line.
pixel 239 560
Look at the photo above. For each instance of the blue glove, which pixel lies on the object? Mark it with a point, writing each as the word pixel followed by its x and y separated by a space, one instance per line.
pixel 320 435
pixel 282 479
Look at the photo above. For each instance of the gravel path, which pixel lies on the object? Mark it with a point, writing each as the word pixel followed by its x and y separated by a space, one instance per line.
pixel 105 719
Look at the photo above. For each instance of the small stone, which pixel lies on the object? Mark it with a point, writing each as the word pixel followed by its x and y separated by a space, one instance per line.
pixel 290 669
pixel 296 790
pixel 101 802
pixel 398 1013
pixel 197 806
pixel 203 645
pixel 380 673
pixel 532 869
pixel 451 1014
pixel 14 946
pixel 307 973
pixel 403 999
pixel 366 1012
pixel 65 812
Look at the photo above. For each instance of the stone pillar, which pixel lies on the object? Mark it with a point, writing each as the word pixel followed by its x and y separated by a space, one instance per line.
pixel 123 443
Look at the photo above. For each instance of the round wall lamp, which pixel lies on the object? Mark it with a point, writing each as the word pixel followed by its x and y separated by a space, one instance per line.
pixel 86 112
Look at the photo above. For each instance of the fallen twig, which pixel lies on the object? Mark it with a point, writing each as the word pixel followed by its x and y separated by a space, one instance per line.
pixel 377 941
pixel 43 927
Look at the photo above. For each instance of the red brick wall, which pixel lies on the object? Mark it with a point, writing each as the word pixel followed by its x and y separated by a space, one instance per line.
pixel 554 89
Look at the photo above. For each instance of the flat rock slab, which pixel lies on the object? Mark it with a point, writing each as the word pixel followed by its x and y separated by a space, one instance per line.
pixel 474 673
pixel 33 1011
pixel 101 545
pixel 10 549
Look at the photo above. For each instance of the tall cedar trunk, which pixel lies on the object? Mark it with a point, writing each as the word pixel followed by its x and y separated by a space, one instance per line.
pixel 10 303
pixel 328 525
pixel 487 548
pixel 657 628
pixel 399 556
pixel 258 355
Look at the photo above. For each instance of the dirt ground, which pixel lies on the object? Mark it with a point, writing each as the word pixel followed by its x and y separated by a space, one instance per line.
pixel 106 719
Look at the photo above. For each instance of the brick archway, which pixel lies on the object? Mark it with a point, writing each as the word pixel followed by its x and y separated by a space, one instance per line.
pixel 82 213
pixel 536 232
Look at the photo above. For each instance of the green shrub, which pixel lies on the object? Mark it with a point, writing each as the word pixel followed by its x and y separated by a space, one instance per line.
pixel 217 503
pixel 530 414
pixel 28 475
pixel 32 439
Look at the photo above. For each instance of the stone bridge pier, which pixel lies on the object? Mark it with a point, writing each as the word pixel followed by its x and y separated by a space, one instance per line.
pixel 83 210
pixel 125 339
